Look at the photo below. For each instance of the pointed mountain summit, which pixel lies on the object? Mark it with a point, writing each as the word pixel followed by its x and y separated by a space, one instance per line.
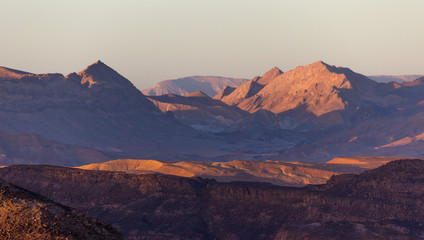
pixel 99 74
pixel 269 76
pixel 249 88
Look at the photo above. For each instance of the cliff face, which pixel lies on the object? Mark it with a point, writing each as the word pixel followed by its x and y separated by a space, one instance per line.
pixel 378 204
pixel 26 215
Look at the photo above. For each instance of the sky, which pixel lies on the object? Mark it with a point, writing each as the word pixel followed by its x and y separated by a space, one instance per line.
pixel 148 41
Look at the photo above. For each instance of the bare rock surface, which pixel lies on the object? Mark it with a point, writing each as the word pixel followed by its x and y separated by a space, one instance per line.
pixel 26 215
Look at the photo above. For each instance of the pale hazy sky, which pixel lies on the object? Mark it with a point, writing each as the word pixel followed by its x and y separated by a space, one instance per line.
pixel 152 40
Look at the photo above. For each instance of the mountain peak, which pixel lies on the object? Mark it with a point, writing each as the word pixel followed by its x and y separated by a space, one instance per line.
pixel 319 65
pixel 96 67
pixel 99 73
pixel 275 71
pixel 269 76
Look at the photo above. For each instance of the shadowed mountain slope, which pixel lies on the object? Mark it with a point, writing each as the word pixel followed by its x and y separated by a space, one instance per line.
pixel 378 204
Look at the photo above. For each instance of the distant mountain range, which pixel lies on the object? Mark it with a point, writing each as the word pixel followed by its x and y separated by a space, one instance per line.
pixel 210 85
pixel 395 78
pixel 312 113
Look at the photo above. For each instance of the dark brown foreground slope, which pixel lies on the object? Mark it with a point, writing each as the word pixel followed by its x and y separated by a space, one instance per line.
pixel 26 215
pixel 384 203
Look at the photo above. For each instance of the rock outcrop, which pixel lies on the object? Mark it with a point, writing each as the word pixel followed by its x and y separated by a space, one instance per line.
pixel 26 215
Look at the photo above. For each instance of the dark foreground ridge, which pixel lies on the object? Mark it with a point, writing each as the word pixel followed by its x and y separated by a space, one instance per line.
pixel 384 203
pixel 26 215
